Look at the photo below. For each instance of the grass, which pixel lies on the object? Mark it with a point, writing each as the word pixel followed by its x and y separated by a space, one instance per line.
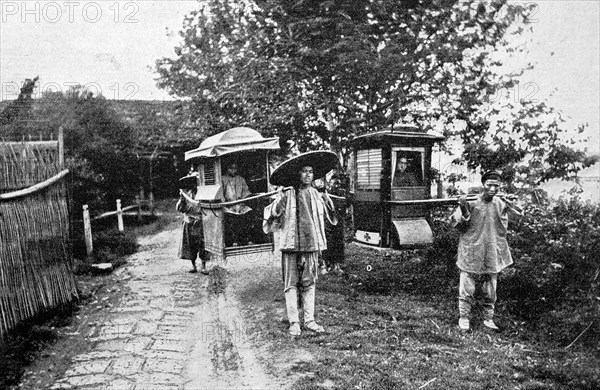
pixel 27 341
pixel 391 324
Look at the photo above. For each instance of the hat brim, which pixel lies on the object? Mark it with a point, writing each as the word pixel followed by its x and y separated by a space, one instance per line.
pixel 287 174
pixel 189 181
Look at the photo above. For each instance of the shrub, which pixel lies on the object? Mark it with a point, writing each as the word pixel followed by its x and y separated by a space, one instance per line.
pixel 110 246
pixel 558 243
pixel 115 242
pixel 554 283
pixel 445 239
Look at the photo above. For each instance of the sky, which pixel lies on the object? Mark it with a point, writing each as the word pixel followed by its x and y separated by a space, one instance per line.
pixel 565 50
pixel 111 47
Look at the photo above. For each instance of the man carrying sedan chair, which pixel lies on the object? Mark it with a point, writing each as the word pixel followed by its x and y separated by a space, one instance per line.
pixel 299 214
pixel 483 251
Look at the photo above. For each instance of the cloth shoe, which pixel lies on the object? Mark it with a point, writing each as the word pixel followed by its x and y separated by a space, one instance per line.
pixel 464 324
pixel 314 327
pixel 490 325
pixel 295 329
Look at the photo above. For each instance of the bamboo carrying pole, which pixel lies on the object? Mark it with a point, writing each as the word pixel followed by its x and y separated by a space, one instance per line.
pixel 434 202
pixel 120 216
pixel 233 202
pixel 506 198
pixel 87 228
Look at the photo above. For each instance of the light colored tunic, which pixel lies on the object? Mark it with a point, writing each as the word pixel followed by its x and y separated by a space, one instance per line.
pixel 301 217
pixel 234 188
pixel 483 248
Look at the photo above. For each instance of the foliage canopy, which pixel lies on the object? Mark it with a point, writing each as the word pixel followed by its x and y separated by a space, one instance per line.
pixel 322 72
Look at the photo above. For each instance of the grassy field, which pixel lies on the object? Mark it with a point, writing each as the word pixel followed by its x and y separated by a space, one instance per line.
pixel 391 323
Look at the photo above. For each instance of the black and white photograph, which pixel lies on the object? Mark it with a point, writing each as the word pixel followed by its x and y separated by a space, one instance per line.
pixel 299 194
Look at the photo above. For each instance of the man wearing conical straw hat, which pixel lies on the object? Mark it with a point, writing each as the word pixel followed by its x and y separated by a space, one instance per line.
pixel 299 213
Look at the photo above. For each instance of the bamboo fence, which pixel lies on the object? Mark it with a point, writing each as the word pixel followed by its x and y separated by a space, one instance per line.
pixel 25 163
pixel 36 264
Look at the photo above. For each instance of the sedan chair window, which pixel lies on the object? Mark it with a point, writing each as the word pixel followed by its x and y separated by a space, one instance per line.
pixel 244 174
pixel 408 170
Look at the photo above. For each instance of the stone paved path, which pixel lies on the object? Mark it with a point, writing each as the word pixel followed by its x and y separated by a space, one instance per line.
pixel 167 332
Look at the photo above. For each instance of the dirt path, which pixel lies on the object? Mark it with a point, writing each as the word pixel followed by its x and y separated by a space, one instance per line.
pixel 172 330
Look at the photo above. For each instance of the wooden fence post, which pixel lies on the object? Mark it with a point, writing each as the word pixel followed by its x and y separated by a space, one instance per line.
pixel 139 210
pixel 61 147
pixel 120 216
pixel 87 229
pixel 151 200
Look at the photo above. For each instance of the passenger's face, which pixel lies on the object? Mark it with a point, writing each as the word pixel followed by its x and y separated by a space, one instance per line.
pixel 306 175
pixel 402 164
pixel 232 170
pixel 490 188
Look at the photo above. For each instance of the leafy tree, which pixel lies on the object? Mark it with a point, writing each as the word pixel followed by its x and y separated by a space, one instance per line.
pixel 321 72
pixel 99 145
pixel 16 115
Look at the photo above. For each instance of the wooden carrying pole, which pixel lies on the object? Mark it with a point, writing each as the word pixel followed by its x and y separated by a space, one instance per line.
pixel 87 229
pixel 433 202
pixel 444 201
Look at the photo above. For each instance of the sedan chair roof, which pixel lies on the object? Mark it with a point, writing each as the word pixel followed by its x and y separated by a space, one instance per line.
pixel 233 140
pixel 398 134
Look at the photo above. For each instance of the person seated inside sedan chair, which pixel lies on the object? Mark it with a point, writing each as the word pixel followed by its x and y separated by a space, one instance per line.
pixel 404 177
pixel 238 217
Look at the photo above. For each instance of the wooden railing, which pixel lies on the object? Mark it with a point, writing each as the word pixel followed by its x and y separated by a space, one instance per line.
pixel 119 212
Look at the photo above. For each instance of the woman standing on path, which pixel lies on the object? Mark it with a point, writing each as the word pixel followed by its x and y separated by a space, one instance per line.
pixel 192 238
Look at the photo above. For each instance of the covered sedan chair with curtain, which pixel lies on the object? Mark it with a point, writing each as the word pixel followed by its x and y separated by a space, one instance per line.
pixel 233 177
